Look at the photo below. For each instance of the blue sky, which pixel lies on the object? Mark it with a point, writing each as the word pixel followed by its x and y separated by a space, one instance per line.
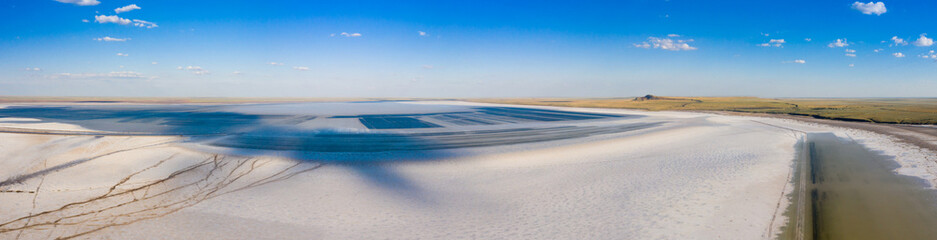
pixel 467 49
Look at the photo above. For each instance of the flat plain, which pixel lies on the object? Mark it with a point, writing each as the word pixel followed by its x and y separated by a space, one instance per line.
pixel 878 110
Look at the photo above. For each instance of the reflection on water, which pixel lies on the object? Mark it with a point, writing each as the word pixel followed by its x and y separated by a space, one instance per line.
pixel 409 128
pixel 850 192
pixel 337 141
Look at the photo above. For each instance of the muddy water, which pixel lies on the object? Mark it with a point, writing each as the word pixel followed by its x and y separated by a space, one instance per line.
pixel 845 191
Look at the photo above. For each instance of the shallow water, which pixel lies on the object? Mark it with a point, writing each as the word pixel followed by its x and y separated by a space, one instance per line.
pixel 850 192
pixel 336 130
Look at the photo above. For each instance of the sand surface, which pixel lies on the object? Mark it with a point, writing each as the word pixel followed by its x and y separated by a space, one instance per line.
pixel 694 176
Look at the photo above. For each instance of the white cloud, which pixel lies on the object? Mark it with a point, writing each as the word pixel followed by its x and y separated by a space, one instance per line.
pixel 154 63
pixel 878 50
pixel 870 8
pixel 141 23
pixel 666 44
pixel 236 72
pixel 123 21
pixel 850 50
pixel 111 19
pixel 808 39
pixel 931 55
pixel 80 2
pixel 85 20
pixel 35 69
pixel 194 70
pixel 422 33
pixel 127 8
pixel 798 61
pixel 838 43
pixel 896 41
pixel 673 35
pixel 276 63
pixel 773 43
pixel 301 68
pixel 124 75
pixel 923 41
pixel 123 54
pixel 898 55
pixel 427 66
pixel 851 55
pixel 765 34
pixel 110 39
pixel 345 34
pixel 852 65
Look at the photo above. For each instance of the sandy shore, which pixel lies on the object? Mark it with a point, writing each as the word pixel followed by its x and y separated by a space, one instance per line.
pixel 698 176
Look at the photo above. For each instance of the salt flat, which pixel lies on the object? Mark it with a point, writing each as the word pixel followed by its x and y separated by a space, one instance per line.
pixel 425 170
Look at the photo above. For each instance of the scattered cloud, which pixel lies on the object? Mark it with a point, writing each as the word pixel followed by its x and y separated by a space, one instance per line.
pixel 666 44
pixel 422 33
pixel 765 34
pixel 345 34
pixel 123 54
pixel 80 2
pixel 194 70
pixel 878 50
pixel 798 61
pixel 111 19
pixel 110 39
pixel 673 35
pixel 931 55
pixel 122 75
pixel 896 41
pixel 154 63
pixel 123 21
pixel 850 52
pixel 35 69
pixel 141 23
pixel 773 43
pixel 85 20
pixel 852 65
pixel 898 55
pixel 427 66
pixel 808 39
pixel 923 41
pixel 838 43
pixel 276 63
pixel 236 72
pixel 127 8
pixel 301 68
pixel 870 8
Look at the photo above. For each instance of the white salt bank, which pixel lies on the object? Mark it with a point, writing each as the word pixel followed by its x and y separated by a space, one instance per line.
pixel 398 170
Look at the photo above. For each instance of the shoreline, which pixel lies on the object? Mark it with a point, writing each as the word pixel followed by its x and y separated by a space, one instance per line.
pixel 923 137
